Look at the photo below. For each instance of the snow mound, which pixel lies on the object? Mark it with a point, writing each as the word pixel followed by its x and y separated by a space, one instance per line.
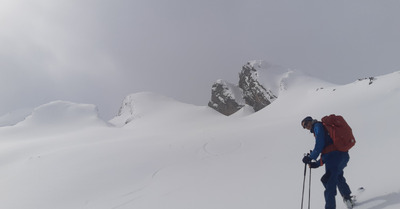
pixel 15 117
pixel 146 105
pixel 277 78
pixel 63 114
pixel 270 75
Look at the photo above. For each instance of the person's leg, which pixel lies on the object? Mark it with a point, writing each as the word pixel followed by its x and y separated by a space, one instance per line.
pixel 325 178
pixel 330 188
pixel 343 187
pixel 333 167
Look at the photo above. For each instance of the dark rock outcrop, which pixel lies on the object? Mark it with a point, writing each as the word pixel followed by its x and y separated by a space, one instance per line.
pixel 228 98
pixel 255 94
pixel 223 98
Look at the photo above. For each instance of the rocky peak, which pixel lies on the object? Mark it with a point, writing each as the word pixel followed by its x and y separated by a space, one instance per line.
pixel 259 85
pixel 226 98
pixel 254 93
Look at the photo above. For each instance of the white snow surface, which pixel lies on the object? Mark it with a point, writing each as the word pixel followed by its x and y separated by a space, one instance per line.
pixel 182 156
pixel 277 78
pixel 14 117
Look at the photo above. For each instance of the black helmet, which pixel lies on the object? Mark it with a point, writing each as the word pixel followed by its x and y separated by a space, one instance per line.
pixel 306 119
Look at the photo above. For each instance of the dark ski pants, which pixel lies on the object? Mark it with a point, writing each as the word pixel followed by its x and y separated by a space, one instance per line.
pixel 335 162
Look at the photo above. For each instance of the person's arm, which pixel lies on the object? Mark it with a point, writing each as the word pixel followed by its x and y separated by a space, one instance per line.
pixel 319 141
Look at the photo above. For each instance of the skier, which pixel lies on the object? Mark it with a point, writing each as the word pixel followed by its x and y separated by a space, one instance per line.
pixel 335 162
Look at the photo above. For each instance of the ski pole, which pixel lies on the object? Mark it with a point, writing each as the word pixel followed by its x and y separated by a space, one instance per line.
pixel 304 184
pixel 309 191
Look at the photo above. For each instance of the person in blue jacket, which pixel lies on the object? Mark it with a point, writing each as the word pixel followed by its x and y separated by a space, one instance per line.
pixel 335 162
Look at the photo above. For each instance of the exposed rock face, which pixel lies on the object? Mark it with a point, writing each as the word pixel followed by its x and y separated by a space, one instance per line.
pixel 255 94
pixel 223 98
pixel 127 109
pixel 253 89
pixel 371 80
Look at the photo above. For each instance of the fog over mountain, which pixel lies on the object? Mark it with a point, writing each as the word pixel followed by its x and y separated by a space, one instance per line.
pixel 97 52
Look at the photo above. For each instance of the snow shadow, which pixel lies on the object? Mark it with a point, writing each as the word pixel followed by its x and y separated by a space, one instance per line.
pixel 385 200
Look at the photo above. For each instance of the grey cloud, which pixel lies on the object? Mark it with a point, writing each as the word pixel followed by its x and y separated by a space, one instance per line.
pixel 100 51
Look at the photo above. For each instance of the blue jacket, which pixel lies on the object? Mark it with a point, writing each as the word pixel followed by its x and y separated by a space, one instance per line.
pixel 322 139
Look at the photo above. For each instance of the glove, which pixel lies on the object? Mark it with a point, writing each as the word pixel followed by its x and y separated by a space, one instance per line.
pixel 307 159
pixel 314 165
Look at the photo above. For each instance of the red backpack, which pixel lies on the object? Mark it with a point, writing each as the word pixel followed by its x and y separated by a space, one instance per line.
pixel 340 132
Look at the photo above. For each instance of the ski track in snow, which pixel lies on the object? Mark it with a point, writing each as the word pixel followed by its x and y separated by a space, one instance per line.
pixel 222 147
pixel 380 202
pixel 135 192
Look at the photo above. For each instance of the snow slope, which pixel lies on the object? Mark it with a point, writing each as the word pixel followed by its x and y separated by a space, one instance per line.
pixel 12 118
pixel 176 155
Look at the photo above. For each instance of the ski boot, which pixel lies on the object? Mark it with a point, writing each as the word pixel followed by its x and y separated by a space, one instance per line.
pixel 349 202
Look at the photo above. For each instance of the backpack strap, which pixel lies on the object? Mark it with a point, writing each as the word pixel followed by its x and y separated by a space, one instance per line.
pixel 330 147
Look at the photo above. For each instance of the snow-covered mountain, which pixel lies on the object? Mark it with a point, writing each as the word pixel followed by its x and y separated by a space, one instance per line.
pixel 260 84
pixel 161 153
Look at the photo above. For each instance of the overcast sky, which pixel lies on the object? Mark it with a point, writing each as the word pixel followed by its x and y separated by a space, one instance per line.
pixel 99 51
